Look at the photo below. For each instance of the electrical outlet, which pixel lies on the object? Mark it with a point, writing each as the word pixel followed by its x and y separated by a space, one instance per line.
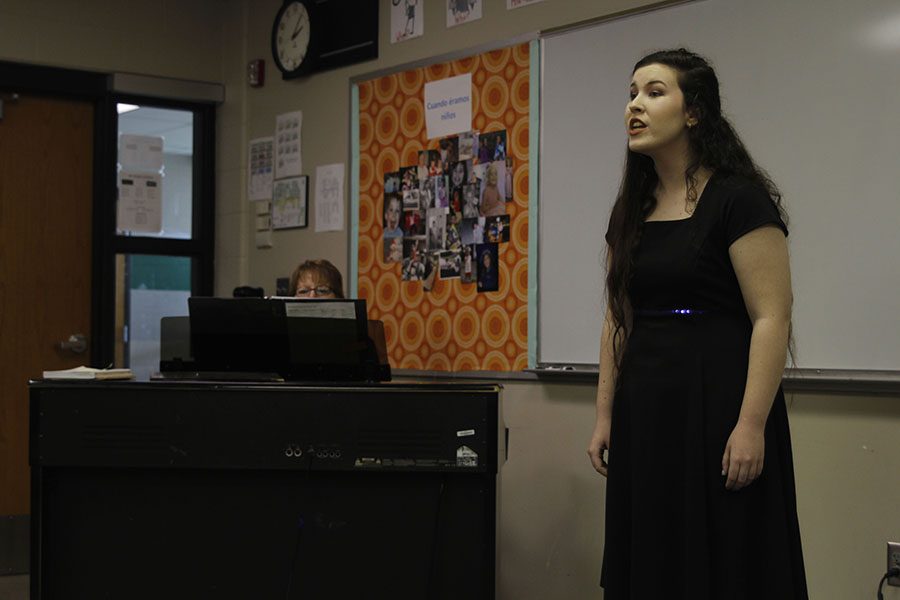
pixel 893 560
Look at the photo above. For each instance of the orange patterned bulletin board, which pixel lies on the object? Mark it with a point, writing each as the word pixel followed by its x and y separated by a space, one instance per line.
pixel 421 265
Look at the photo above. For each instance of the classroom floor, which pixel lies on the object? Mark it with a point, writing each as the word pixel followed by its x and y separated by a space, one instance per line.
pixel 14 587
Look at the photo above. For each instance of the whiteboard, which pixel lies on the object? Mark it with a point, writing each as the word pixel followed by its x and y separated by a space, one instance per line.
pixel 813 88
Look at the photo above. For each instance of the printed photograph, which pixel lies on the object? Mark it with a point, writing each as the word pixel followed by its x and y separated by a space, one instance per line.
pixel 422 165
pixel 467 274
pixel 493 200
pixel 413 260
pixel 477 175
pixel 450 265
pixel 454 240
pixel 441 192
pixel 458 173
pixel 495 143
pixel 391 182
pixel 456 203
pixel 409 178
pixel 470 200
pixel 437 228
pixel 432 268
pixel 472 231
pixel 393 250
pixel 483 153
pixel 411 199
pixel 426 193
pixel 487 266
pixel 393 211
pixel 413 224
pixel 466 145
pixel 449 151
pixel 497 229
pixel 435 166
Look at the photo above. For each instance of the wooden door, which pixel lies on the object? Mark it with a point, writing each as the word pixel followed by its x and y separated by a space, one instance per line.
pixel 46 155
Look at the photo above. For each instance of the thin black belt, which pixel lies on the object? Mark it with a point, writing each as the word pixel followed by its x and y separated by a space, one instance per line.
pixel 668 312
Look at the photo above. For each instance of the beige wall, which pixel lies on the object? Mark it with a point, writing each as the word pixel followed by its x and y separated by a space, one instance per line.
pixel 171 38
pixel 846 457
pixel 847 448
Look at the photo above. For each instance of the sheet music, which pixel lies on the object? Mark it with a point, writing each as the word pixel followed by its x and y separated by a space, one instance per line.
pixel 321 310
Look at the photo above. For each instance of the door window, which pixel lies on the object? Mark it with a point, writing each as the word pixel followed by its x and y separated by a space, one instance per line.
pixel 149 288
pixel 155 171
pixel 162 241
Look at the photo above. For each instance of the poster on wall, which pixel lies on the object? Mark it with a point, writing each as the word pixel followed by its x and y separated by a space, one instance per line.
pixel 260 168
pixel 448 106
pixel 407 19
pixel 289 203
pixel 463 11
pixel 330 197
pixel 443 219
pixel 288 162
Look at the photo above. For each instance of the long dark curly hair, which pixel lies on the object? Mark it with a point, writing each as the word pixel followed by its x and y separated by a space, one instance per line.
pixel 713 144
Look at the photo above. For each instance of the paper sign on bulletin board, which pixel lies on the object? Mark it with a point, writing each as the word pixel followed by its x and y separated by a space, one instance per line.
pixel 443 222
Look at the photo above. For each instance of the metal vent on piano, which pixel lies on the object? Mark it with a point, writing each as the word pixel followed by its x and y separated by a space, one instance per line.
pixel 400 443
pixel 135 438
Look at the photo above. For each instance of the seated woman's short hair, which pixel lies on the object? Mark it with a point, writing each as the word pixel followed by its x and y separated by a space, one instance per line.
pixel 322 272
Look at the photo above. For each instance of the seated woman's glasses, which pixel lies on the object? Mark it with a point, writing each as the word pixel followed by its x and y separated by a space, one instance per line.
pixel 318 291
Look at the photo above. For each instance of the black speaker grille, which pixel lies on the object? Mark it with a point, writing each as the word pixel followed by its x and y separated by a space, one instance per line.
pixel 138 438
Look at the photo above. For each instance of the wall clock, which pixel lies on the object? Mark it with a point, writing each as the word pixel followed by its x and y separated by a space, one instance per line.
pixel 294 38
pixel 317 35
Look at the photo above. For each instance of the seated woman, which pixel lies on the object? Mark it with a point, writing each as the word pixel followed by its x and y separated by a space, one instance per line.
pixel 317 278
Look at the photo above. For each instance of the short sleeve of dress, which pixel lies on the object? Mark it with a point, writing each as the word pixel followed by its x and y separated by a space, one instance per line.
pixel 748 208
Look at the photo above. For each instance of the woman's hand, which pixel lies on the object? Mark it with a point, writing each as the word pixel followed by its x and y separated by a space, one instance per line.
pixel 742 461
pixel 599 443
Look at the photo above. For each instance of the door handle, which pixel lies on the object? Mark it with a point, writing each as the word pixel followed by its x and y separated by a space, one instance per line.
pixel 76 343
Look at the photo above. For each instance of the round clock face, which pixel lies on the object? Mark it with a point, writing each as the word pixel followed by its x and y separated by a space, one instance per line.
pixel 292 36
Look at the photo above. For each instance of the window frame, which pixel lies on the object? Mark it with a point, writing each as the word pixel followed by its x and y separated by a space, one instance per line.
pixel 199 248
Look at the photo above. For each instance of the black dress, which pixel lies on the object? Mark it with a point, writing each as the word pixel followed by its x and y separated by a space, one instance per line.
pixel 672 529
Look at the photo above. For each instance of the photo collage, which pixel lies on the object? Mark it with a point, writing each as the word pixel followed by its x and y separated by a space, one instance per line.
pixel 445 217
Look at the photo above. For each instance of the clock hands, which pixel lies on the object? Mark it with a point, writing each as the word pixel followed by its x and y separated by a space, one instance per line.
pixel 298 28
